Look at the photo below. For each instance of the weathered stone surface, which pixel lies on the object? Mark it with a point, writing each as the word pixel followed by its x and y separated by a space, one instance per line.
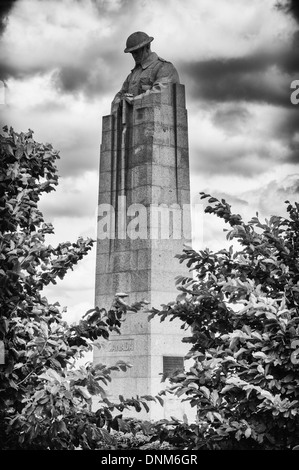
pixel 105 184
pixel 143 259
pixel 163 176
pixel 182 137
pixel 107 123
pixel 103 265
pixel 139 195
pixel 103 246
pixel 180 95
pixel 140 175
pixel 183 158
pixel 184 196
pixel 106 160
pixel 163 278
pixel 164 194
pixel 125 261
pixel 141 279
pixel 140 154
pixel 183 178
pixel 164 155
pixel 107 141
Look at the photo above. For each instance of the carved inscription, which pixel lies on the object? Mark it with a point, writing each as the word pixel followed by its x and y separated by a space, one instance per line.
pixel 123 345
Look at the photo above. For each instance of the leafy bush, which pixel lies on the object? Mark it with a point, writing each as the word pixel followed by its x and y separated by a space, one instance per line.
pixel 242 309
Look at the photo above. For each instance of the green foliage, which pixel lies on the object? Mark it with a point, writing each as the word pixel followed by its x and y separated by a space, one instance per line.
pixel 241 308
pixel 45 402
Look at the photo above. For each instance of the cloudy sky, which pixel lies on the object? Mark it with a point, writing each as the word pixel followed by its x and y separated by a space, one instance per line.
pixel 63 61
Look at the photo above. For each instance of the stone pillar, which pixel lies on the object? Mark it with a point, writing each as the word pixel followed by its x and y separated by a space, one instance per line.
pixel 144 163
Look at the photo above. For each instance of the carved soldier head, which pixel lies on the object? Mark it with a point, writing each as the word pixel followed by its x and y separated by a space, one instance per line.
pixel 138 44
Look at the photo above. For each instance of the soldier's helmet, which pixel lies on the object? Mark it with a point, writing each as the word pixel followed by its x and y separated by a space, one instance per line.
pixel 137 40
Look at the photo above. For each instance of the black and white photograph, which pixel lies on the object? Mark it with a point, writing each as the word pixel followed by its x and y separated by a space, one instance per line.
pixel 149 228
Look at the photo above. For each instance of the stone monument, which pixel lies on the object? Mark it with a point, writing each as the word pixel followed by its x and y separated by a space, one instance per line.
pixel 144 221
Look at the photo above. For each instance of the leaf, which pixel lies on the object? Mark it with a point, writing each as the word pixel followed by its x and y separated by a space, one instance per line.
pixel 270 316
pixel 39 394
pixel 238 353
pixel 227 388
pixel 205 391
pixel 122 366
pixel 55 362
pixel 62 427
pixel 259 354
pixel 181 297
pixel 146 406
pixel 55 389
pixel 255 334
pixel 83 391
pixel 160 400
pixel 218 416
pixel 148 398
pixel 214 397
pixel 51 374
pixel 43 401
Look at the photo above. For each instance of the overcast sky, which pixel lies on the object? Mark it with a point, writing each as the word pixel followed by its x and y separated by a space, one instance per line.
pixel 63 61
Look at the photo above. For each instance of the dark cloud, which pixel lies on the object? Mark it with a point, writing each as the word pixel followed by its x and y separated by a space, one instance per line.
pixel 224 158
pixel 100 70
pixel 287 130
pixel 232 118
pixel 94 77
pixel 247 157
pixel 79 154
pixel 8 70
pixel 72 78
pixel 291 6
pixel 294 9
pixel 69 206
pixel 289 124
pixel 250 78
pixel 5 8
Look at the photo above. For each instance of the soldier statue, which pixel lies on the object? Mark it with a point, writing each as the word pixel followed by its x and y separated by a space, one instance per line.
pixel 150 74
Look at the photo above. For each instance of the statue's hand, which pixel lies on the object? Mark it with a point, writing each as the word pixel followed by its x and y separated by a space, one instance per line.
pixel 129 98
